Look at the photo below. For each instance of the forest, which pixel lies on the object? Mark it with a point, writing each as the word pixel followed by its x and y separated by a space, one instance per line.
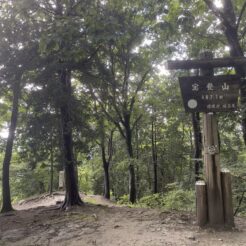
pixel 84 88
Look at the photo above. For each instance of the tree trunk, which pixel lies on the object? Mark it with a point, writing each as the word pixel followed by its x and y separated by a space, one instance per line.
pixel 137 166
pixel 230 30
pixel 132 188
pixel 72 193
pixel 236 50
pixel 154 156
pixel 106 193
pixel 198 144
pixel 106 157
pixel 106 181
pixel 51 168
pixel 7 206
pixel 132 183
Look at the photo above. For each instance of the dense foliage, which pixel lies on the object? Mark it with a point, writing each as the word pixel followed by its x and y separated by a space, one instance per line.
pixel 124 109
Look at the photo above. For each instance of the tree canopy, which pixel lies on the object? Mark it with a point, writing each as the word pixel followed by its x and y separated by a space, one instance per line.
pixel 84 88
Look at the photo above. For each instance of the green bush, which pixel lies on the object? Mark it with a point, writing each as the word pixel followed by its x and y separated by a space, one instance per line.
pixel 123 200
pixel 176 199
pixel 180 200
pixel 152 201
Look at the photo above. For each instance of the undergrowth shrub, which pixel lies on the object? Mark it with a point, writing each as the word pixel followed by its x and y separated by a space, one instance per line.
pixel 123 200
pixel 152 201
pixel 180 200
pixel 175 199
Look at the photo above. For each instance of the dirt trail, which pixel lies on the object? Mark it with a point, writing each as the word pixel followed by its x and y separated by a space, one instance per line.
pixel 37 222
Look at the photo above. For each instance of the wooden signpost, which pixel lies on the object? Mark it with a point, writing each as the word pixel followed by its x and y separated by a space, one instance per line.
pixel 208 93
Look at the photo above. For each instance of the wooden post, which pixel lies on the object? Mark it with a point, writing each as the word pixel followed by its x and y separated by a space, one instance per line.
pixel 212 161
pixel 201 203
pixel 207 63
pixel 212 170
pixel 227 197
pixel 203 94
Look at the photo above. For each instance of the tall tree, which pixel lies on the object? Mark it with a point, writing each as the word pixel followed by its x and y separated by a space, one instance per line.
pixel 121 67
pixel 234 30
pixel 9 146
pixel 107 153
pixel 72 196
pixel 154 153
pixel 18 49
pixel 65 43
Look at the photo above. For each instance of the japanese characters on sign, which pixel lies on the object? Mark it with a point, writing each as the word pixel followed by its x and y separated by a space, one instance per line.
pixel 210 94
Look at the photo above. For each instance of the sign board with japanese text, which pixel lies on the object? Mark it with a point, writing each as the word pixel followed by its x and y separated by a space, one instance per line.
pixel 210 93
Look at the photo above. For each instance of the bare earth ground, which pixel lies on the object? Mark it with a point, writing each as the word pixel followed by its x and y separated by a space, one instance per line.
pixel 37 221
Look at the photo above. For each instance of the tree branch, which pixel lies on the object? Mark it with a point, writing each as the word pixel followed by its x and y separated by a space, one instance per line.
pixel 136 121
pixel 110 118
pixel 110 146
pixel 116 109
pixel 221 15
pixel 211 37
pixel 139 86
pixel 241 15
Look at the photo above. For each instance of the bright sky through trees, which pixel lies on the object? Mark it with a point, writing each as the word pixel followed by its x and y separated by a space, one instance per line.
pixel 218 3
pixel 4 133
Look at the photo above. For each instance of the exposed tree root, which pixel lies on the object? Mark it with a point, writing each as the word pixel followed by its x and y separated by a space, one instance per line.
pixel 68 203
pixel 7 209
